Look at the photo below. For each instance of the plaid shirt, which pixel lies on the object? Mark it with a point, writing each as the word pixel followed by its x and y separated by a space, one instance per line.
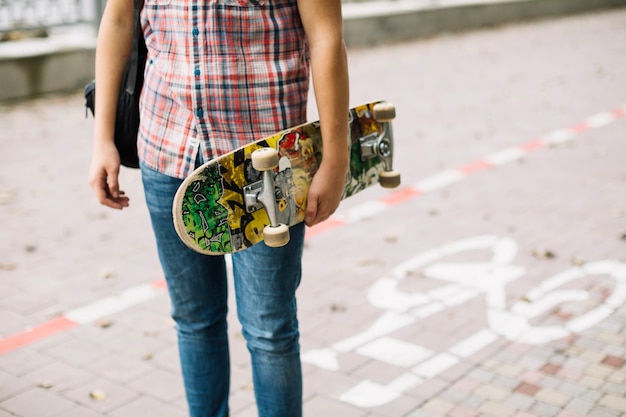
pixel 220 73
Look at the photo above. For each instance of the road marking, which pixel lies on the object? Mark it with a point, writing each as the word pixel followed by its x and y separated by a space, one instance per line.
pixel 136 295
pixel 448 177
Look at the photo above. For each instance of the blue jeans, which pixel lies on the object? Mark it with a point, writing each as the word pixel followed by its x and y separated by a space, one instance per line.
pixel 266 280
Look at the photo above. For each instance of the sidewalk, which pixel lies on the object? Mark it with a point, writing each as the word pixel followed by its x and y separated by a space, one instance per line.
pixel 493 284
pixel 64 62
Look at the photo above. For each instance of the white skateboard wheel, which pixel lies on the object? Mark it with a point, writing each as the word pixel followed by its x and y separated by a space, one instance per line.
pixel 384 112
pixel 276 236
pixel 389 179
pixel 265 159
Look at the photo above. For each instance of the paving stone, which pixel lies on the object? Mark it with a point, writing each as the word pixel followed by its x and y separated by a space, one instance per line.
pixel 38 402
pixel 520 401
pixel 527 389
pixel 115 395
pixel 579 406
pixel 460 411
pixel 159 384
pixel 495 409
pixel 437 406
pixel 492 392
pixel 11 385
pixel 543 409
pixel 600 411
pixel 553 397
pixel 22 361
pixel 566 413
pixel 321 406
pixel 146 406
pixel 614 402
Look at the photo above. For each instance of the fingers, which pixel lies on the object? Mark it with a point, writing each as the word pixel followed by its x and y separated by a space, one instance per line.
pixel 105 186
pixel 317 211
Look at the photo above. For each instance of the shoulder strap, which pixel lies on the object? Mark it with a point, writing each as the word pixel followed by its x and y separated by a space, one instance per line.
pixel 134 55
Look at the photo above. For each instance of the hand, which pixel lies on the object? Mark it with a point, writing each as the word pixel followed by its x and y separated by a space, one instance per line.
pixel 104 174
pixel 326 191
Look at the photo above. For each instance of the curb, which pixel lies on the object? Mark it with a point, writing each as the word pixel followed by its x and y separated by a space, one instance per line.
pixel 380 22
pixel 32 68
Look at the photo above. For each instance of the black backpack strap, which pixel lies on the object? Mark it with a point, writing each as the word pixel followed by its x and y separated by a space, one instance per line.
pixel 134 55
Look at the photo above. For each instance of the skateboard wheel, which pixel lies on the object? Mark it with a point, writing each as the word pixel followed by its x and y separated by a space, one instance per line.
pixel 384 112
pixel 276 236
pixel 265 159
pixel 389 179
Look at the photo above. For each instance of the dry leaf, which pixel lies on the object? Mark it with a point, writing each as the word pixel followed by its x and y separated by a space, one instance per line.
pixel 7 266
pixel 543 253
pixel 337 308
pixel 107 273
pixel 104 323
pixel 46 384
pixel 98 395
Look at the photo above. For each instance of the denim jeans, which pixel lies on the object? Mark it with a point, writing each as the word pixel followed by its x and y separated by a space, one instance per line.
pixel 265 281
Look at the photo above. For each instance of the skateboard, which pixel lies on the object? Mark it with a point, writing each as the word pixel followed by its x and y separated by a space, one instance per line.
pixel 255 193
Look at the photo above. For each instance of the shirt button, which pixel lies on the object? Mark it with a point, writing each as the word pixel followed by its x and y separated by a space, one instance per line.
pixel 196 72
pixel 199 112
pixel 195 31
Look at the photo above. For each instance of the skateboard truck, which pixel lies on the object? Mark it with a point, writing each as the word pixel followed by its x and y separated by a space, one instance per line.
pixel 381 145
pixel 262 194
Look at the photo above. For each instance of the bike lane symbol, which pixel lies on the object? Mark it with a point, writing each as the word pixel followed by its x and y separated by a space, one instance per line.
pixel 464 282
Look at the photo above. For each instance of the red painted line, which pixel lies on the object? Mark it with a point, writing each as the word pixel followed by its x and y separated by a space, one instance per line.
pixel 474 167
pixel 49 328
pixel 581 127
pixel 160 284
pixel 61 323
pixel 323 227
pixel 400 196
pixel 620 112
pixel 533 145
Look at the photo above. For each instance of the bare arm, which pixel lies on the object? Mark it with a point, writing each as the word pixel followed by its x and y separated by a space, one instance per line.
pixel 112 53
pixel 323 24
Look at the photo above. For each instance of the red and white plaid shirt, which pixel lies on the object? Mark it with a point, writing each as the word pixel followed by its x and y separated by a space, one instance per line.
pixel 220 73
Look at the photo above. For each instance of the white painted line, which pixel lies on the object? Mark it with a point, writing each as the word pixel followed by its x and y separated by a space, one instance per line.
pixel 395 352
pixel 114 304
pixel 600 120
pixel 558 137
pixel 438 181
pixel 429 310
pixel 474 343
pixel 505 156
pixel 361 212
pixel 436 365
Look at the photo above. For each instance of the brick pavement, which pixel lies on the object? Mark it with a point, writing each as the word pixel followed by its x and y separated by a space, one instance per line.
pixel 450 352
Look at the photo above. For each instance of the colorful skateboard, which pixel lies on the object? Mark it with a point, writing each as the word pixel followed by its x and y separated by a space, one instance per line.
pixel 256 192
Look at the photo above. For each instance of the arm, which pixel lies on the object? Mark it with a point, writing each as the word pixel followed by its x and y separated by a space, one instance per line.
pixel 323 24
pixel 112 54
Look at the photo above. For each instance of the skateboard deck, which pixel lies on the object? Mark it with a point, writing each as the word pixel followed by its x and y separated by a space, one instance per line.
pixel 220 209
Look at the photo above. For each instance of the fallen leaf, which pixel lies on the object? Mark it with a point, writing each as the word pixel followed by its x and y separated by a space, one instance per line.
pixel 391 239
pixel 7 266
pixel 104 323
pixel 7 196
pixel 107 273
pixel 98 395
pixel 46 384
pixel 543 254
pixel 337 308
